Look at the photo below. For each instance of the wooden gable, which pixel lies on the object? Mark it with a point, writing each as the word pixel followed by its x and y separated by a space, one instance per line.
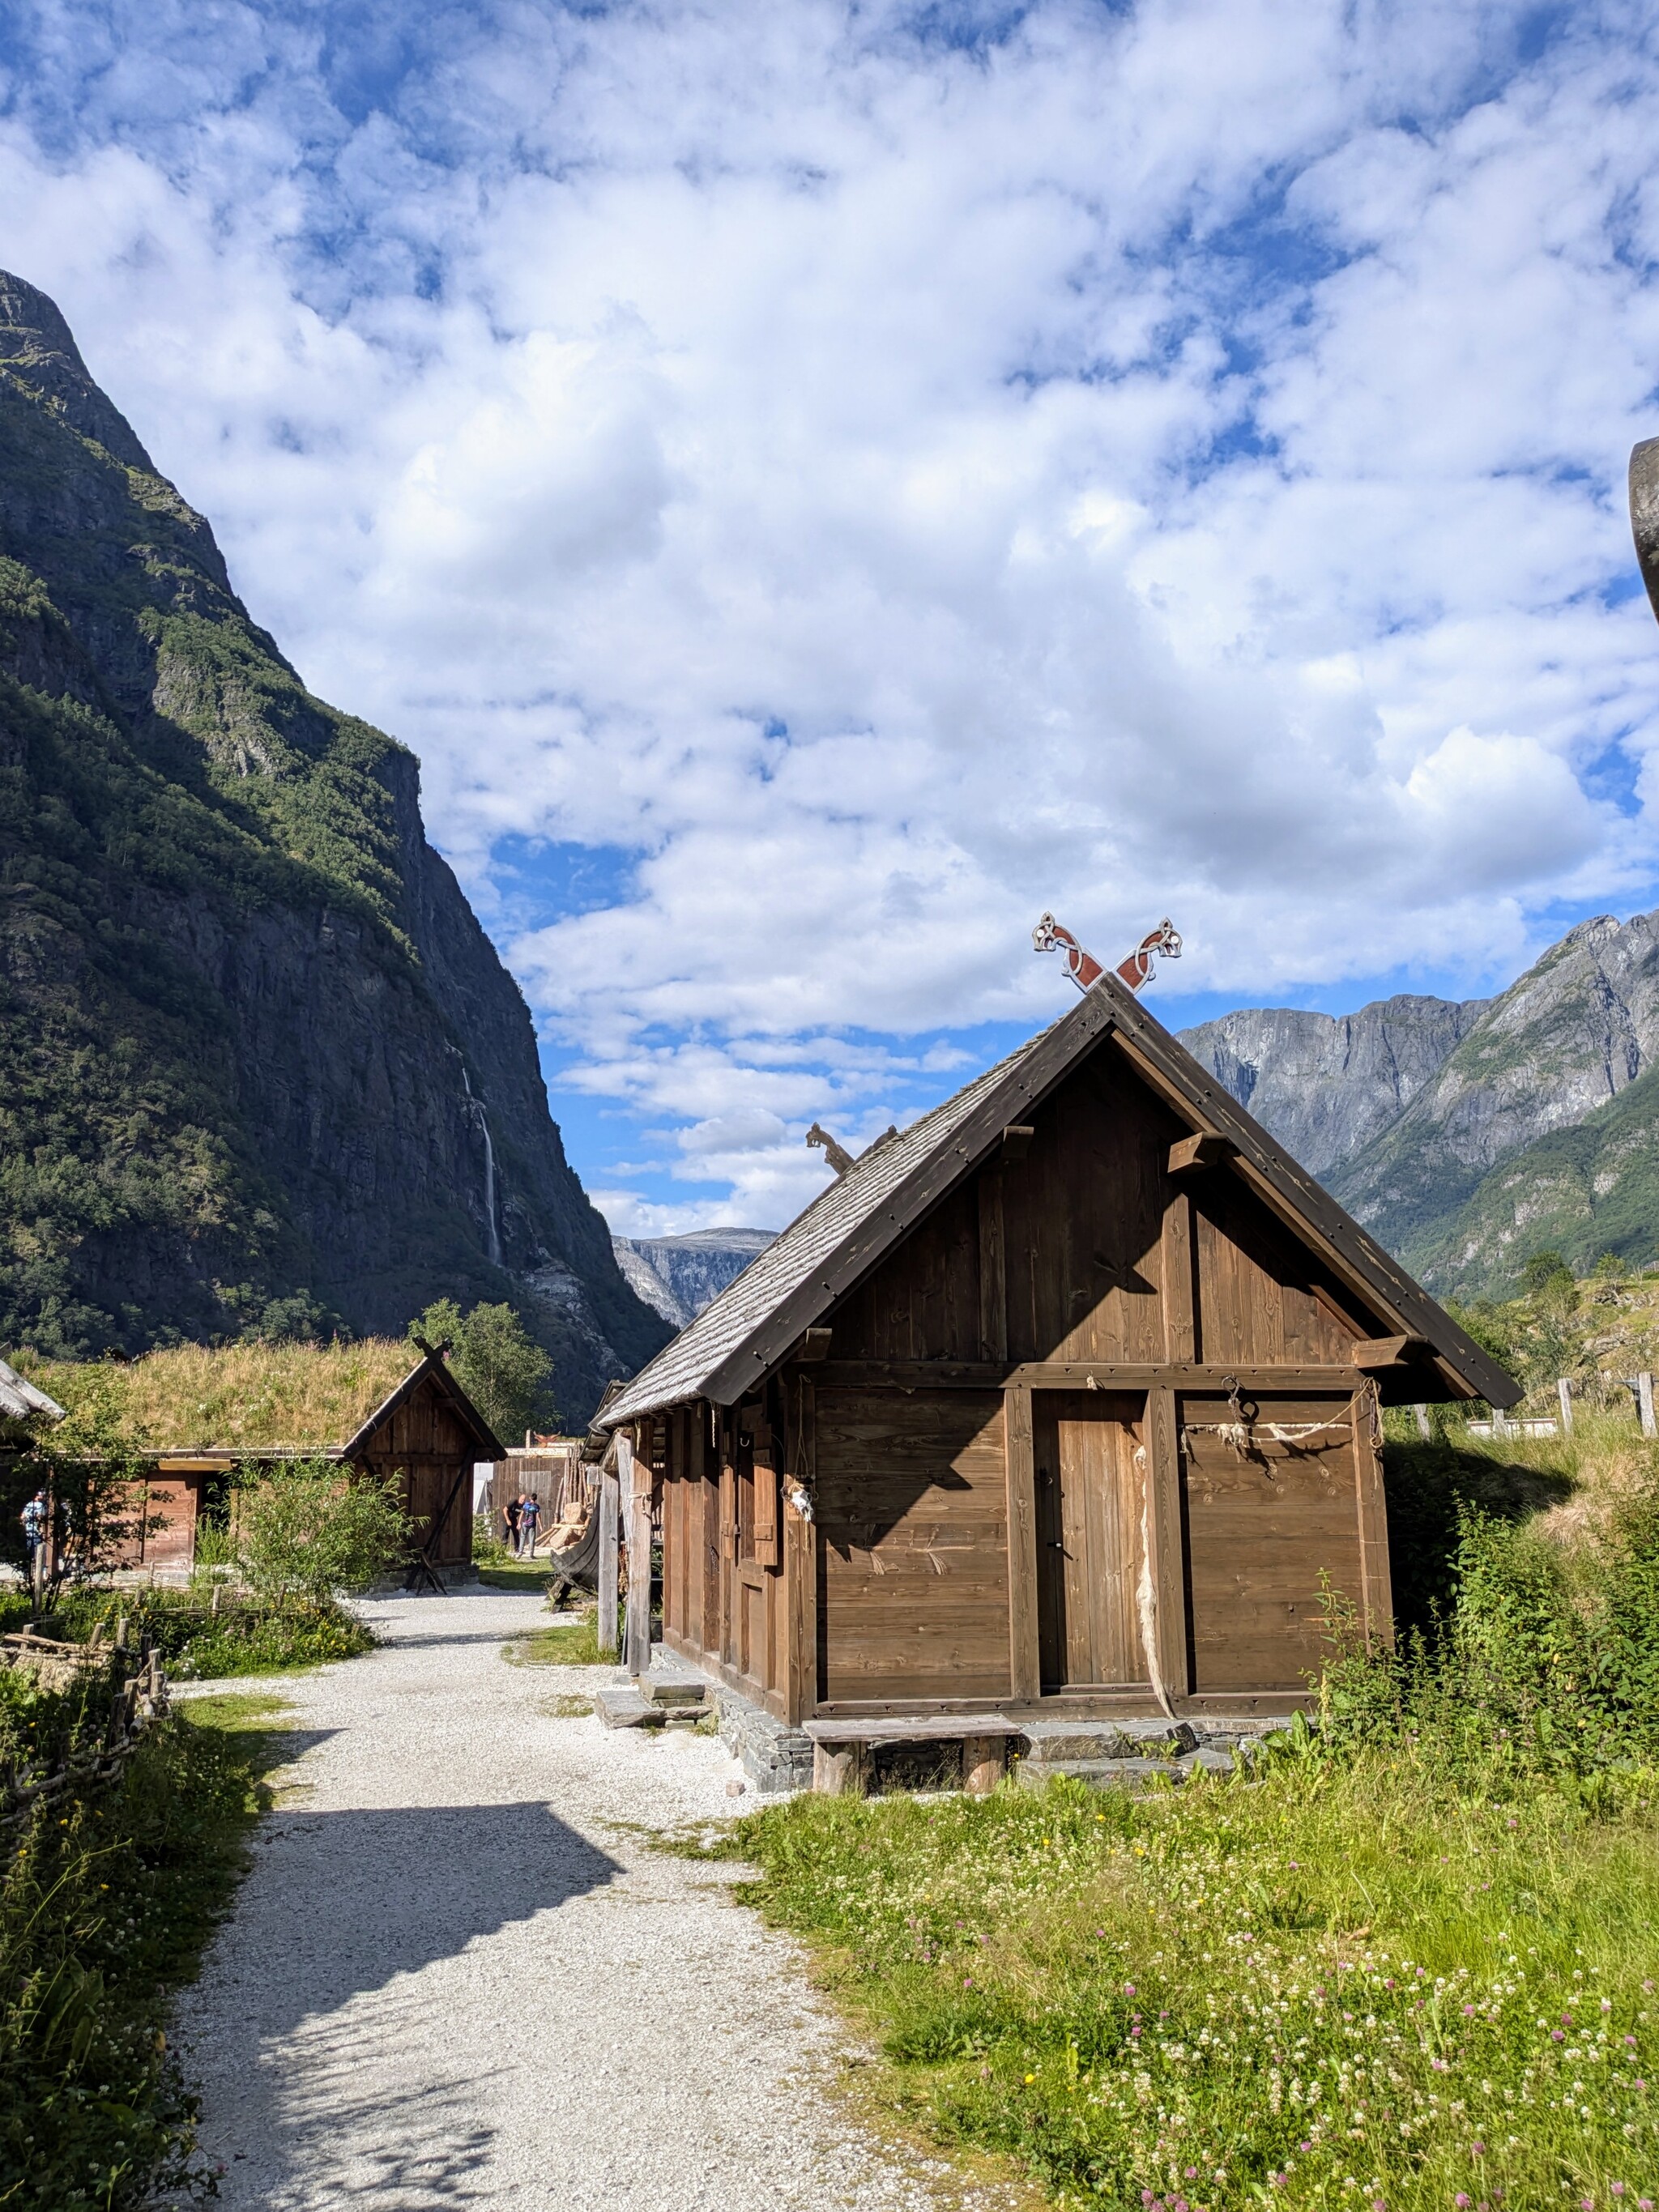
pixel 1085 1248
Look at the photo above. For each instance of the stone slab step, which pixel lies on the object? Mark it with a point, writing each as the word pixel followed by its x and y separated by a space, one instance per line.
pixel 1051 1742
pixel 620 1705
pixel 666 1690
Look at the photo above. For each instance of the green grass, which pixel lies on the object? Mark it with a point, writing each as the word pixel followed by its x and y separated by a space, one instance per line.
pixel 1340 1986
pixel 243 1637
pixel 524 1577
pixel 571 1644
pixel 103 1915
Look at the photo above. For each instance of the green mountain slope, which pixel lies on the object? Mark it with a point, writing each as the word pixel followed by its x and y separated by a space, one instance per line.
pixel 258 1051
pixel 1580 1192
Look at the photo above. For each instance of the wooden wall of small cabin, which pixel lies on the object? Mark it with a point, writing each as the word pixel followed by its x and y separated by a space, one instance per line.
pixel 425 1441
pixel 1072 1253
pixel 724 1594
pixel 912 1523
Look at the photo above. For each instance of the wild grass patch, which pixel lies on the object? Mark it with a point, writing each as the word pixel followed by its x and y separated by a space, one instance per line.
pixel 1337 1986
pixel 104 1911
pixel 566 1644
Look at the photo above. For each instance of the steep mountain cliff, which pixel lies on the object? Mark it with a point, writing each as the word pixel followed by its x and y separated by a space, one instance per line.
pixel 680 1275
pixel 261 1063
pixel 1524 1121
pixel 1325 1084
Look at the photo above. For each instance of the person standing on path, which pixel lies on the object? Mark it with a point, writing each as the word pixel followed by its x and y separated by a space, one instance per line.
pixel 530 1513
pixel 510 1520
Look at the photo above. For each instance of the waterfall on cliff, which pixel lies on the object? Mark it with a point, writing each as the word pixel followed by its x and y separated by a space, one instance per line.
pixel 492 1234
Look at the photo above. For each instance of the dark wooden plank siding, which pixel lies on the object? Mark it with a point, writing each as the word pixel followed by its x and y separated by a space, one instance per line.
pixel 426 1442
pixel 1260 1300
pixel 1263 1524
pixel 913 1516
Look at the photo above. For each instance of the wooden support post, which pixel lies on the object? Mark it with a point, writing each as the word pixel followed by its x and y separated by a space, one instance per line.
pixel 800 1566
pixel 609 1488
pixel 1563 1392
pixel 638 1654
pixel 1177 1287
pixel 1644 1403
pixel 981 1764
pixel 840 1770
pixel 1165 1553
pixel 992 1271
pixel 1024 1659
pixel 1420 1414
pixel 1376 1595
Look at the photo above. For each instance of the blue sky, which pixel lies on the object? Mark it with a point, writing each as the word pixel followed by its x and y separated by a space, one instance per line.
pixel 817 486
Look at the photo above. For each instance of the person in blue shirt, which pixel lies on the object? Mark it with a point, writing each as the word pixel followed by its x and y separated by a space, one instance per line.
pixel 530 1513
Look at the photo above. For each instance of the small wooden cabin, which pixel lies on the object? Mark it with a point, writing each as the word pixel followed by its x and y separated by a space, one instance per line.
pixel 427 1432
pixel 1063 1402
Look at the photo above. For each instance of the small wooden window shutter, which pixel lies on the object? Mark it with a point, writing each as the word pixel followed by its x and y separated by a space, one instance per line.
pixel 728 1454
pixel 769 1548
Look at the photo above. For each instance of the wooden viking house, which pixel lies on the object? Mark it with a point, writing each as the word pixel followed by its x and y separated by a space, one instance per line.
pixel 426 1432
pixel 1063 1403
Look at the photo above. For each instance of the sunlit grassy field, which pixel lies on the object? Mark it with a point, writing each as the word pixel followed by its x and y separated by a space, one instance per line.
pixel 1335 1987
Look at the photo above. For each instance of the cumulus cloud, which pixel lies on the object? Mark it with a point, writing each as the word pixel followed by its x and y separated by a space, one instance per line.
pixel 881 472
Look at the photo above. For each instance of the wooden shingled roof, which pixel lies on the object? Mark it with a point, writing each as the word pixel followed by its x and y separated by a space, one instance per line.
pixel 754 1323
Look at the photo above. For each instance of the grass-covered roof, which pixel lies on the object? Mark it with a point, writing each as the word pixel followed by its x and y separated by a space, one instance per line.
pixel 239 1395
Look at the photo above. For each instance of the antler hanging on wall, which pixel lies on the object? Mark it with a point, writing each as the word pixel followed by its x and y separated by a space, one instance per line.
pixel 1084 968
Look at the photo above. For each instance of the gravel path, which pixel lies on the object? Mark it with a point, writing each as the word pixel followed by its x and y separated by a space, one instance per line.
pixel 456 1975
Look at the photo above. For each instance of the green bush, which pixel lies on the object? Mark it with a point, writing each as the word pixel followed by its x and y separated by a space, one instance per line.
pixel 304 1529
pixel 103 1911
pixel 197 1645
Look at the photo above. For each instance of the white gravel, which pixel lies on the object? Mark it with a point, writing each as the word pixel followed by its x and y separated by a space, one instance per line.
pixel 456 1975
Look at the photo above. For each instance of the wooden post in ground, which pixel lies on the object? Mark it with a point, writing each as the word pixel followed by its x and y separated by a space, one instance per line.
pixel 638 1654
pixel 610 1487
pixel 981 1764
pixel 1563 1392
pixel 1421 1414
pixel 840 1770
pixel 1644 1403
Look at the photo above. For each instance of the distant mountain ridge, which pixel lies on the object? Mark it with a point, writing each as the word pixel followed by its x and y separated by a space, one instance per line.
pixel 1465 1134
pixel 680 1275
pixel 263 1068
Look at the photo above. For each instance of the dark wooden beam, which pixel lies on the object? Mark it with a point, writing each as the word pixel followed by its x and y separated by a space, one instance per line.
pixel 1373 1353
pixel 1025 1664
pixel 814 1344
pixel 1017 1140
pixel 1193 1153
pixel 1080 1375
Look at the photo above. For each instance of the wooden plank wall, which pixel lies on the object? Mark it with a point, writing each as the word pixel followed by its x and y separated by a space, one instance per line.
pixel 425 1442
pixel 1084 1249
pixel 724 1602
pixel 911 1516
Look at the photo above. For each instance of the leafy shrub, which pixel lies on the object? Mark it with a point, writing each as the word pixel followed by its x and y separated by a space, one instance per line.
pixel 307 1529
pixel 103 1911
pixel 199 1645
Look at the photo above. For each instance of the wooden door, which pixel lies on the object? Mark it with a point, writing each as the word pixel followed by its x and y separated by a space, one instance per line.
pixel 1090 1538
pixel 1270 1510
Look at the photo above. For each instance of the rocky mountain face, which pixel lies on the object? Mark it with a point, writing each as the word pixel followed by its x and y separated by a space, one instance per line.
pixel 1522 1121
pixel 263 1068
pixel 1325 1084
pixel 680 1275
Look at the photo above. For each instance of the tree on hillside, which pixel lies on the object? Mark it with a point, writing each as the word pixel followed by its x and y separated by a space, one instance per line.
pixel 496 1362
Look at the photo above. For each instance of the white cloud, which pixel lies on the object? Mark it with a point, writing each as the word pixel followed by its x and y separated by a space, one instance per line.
pixel 1130 463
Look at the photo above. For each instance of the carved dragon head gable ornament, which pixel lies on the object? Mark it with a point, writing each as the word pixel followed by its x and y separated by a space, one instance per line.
pixel 1084 969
